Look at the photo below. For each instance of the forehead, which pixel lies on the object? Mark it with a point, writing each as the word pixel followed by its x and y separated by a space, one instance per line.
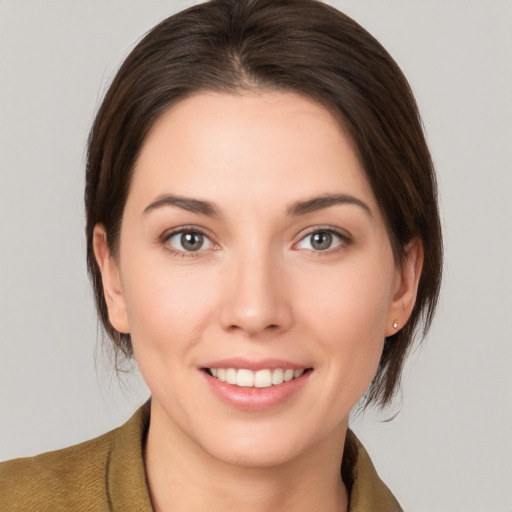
pixel 228 146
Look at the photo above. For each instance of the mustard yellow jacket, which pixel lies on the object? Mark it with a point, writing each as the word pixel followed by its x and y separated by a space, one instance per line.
pixel 107 474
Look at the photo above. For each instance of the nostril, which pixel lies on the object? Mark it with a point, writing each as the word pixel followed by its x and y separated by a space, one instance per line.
pixel 253 328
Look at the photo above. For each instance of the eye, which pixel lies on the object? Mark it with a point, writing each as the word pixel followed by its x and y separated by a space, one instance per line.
pixel 189 241
pixel 322 240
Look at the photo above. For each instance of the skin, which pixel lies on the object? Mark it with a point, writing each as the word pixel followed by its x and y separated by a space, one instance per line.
pixel 257 289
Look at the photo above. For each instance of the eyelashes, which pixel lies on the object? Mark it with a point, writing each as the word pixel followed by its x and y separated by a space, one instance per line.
pixel 191 241
pixel 323 240
pixel 188 241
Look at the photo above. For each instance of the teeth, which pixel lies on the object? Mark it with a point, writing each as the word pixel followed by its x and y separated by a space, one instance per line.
pixel 288 375
pixel 231 376
pixel 245 378
pixel 263 379
pixel 277 376
pixel 260 379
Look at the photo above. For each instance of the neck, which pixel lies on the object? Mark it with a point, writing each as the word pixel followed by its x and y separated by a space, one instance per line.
pixel 182 477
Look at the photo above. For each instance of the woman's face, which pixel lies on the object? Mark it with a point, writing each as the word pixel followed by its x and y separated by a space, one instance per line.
pixel 252 249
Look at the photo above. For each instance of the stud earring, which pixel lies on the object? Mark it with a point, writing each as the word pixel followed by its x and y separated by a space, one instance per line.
pixel 395 324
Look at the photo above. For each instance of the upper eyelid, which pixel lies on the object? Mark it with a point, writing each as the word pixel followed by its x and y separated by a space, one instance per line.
pixel 186 229
pixel 317 229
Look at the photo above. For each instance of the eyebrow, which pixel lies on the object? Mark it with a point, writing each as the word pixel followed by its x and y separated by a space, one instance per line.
pixel 296 209
pixel 325 201
pixel 185 203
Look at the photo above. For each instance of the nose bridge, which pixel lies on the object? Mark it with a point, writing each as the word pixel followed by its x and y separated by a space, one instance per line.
pixel 255 298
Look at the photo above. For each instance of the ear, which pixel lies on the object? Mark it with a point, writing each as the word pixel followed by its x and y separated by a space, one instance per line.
pixel 111 279
pixel 406 287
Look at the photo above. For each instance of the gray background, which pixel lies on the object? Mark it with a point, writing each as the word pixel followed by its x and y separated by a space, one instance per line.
pixel 450 448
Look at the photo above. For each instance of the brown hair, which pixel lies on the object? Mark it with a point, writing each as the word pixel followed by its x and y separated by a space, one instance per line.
pixel 298 45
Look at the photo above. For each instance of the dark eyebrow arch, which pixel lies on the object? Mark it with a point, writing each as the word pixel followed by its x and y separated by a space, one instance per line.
pixel 325 201
pixel 185 203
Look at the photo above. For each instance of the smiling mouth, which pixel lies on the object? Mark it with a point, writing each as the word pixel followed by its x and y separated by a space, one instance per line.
pixel 255 379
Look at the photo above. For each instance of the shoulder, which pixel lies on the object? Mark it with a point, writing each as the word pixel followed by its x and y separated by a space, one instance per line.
pixel 106 473
pixel 368 493
pixel 73 478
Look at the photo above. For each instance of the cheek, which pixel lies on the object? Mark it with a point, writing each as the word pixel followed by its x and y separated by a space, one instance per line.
pixel 346 312
pixel 168 307
pixel 351 329
pixel 353 298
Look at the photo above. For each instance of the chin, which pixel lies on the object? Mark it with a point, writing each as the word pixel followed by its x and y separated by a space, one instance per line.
pixel 265 445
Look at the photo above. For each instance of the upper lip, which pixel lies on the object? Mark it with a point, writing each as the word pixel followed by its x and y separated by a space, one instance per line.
pixel 255 365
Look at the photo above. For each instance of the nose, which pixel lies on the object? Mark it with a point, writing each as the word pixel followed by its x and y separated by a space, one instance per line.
pixel 255 300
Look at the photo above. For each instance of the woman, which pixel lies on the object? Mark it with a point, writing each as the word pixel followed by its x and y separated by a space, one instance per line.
pixel 263 238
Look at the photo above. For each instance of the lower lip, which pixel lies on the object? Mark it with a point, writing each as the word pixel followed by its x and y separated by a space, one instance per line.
pixel 255 399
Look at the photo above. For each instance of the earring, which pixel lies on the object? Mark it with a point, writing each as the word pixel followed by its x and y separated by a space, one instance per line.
pixel 395 324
